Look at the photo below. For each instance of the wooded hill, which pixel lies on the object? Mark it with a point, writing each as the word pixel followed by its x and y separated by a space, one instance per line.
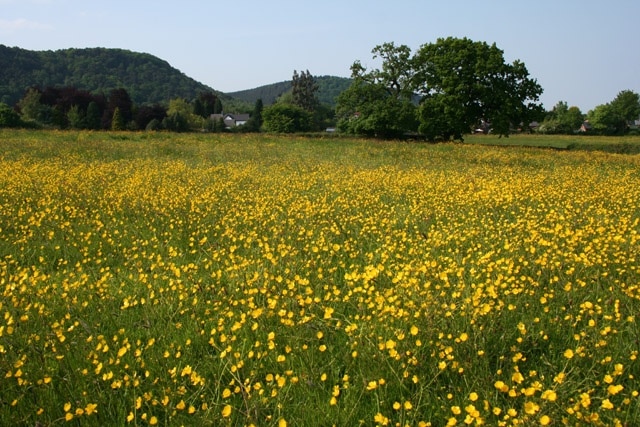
pixel 329 87
pixel 147 78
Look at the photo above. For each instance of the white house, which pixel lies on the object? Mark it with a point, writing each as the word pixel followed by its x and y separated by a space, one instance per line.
pixel 231 120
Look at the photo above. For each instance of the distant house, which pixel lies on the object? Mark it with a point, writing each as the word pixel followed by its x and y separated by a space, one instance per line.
pixel 231 120
pixel 585 127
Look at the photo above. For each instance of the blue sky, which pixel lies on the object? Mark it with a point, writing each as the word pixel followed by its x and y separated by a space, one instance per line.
pixel 581 52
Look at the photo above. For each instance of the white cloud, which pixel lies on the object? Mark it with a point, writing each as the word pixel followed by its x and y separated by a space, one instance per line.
pixel 20 24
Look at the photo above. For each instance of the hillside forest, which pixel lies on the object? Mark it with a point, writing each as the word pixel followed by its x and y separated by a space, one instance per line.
pixel 442 91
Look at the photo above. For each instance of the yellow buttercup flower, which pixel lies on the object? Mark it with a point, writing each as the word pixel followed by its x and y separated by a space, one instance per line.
pixel 226 411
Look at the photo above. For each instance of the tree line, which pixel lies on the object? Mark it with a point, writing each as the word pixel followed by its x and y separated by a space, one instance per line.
pixel 148 79
pixel 457 86
pixel 618 117
pixel 443 91
pixel 72 108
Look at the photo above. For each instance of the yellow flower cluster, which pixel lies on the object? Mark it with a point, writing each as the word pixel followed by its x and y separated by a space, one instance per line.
pixel 264 282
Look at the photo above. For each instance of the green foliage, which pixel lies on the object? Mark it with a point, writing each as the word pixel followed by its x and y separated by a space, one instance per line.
pixel 458 84
pixel 76 118
pixel 627 105
pixel 146 78
pixel 117 122
pixel 181 118
pixel 268 93
pixel 59 117
pixel 605 120
pixel 147 113
pixel 153 125
pixel 464 83
pixel 614 118
pixel 304 90
pixel 8 117
pixel 118 99
pixel 323 117
pixel 562 120
pixel 93 116
pixel 379 102
pixel 32 109
pixel 285 98
pixel 396 73
pixel 368 109
pixel 329 87
pixel 255 121
pixel 178 115
pixel 286 118
pixel 206 104
pixel 175 123
pixel 159 279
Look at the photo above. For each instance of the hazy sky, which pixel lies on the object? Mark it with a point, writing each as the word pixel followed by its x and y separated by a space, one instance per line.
pixel 581 52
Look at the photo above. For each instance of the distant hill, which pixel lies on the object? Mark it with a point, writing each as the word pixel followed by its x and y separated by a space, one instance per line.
pixel 329 87
pixel 147 78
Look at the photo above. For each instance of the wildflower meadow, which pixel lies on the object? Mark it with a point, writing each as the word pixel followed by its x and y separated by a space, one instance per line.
pixel 256 280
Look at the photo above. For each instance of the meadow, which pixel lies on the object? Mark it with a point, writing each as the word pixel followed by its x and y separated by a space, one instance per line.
pixel 232 280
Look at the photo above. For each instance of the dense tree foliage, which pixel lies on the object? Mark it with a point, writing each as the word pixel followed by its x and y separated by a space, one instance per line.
pixel 150 113
pixel 206 104
pixel 298 110
pixel 369 109
pixel 627 105
pixel 180 116
pixel 254 124
pixel 8 117
pixel 562 119
pixel 31 107
pixel 117 121
pixel 68 107
pixel 380 102
pixel 616 117
pixel 286 118
pixel 441 91
pixel 464 83
pixel 304 90
pixel 146 78
pixel 456 83
pixel 118 100
pixel 63 107
pixel 329 87
pixel 268 93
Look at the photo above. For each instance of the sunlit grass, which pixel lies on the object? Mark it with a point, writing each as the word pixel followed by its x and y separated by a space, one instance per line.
pixel 256 280
pixel 628 144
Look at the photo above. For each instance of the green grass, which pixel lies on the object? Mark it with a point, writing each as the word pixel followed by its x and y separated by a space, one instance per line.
pixel 617 144
pixel 258 280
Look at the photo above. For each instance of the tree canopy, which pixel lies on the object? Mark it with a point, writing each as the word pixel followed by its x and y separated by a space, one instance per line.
pixel 380 102
pixel 453 85
pixel 286 118
pixel 146 78
pixel 304 90
pixel 8 117
pixel 562 119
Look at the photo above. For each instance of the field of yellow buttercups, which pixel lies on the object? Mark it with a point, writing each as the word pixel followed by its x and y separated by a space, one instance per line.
pixel 258 280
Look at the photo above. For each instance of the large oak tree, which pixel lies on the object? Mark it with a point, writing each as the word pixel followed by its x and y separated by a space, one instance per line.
pixel 379 102
pixel 456 84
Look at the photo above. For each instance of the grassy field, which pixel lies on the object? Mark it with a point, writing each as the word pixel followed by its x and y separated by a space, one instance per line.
pixel 159 279
pixel 620 145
